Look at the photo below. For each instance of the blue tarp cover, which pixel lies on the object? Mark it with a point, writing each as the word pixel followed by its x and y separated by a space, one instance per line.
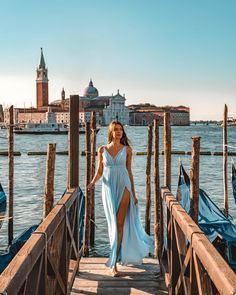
pixel 211 219
pixel 3 204
pixel 19 241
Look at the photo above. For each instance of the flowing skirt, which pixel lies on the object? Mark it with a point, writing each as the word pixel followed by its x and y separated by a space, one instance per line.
pixel 136 244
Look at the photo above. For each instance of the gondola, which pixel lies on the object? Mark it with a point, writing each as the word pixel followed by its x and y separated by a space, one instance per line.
pixel 217 227
pixel 19 241
pixel 3 205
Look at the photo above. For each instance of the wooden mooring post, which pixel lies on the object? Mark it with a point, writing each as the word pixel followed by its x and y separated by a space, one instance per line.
pixel 73 165
pixel 10 174
pixel 194 179
pixel 225 161
pixel 87 215
pixel 92 172
pixel 167 150
pixel 148 181
pixel 49 180
pixel 157 202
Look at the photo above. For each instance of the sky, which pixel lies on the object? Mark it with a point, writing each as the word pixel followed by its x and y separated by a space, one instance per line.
pixel 164 52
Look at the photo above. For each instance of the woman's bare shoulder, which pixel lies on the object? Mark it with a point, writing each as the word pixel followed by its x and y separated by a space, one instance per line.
pixel 129 149
pixel 100 149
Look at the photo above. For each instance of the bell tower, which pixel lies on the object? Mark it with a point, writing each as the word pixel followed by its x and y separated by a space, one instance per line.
pixel 42 83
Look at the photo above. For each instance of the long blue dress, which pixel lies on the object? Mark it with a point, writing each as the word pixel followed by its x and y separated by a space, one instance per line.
pixel 136 244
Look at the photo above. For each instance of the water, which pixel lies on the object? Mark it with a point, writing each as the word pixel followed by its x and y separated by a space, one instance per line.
pixel 29 173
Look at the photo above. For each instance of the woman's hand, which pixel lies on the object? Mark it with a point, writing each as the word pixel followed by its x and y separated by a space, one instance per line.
pixel 135 201
pixel 91 185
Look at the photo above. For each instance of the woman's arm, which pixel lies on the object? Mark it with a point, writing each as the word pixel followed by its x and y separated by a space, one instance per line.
pixel 128 165
pixel 99 171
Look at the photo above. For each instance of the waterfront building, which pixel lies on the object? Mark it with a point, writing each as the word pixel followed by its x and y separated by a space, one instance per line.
pixel 107 107
pixel 144 114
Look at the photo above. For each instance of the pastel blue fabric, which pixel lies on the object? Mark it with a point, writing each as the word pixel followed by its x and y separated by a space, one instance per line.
pixel 136 244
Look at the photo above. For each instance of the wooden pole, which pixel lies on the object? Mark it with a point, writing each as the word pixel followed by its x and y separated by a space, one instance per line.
pixel 87 194
pixel 49 180
pixel 157 199
pixel 167 150
pixel 73 165
pixel 148 181
pixel 92 173
pixel 10 174
pixel 225 161
pixel 194 179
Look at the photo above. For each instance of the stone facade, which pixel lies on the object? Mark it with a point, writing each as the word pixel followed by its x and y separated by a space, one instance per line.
pixel 144 114
pixel 116 110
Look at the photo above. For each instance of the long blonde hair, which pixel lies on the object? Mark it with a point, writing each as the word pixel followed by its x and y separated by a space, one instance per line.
pixel 124 139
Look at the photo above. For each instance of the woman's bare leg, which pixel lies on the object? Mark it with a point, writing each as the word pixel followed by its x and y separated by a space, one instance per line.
pixel 120 217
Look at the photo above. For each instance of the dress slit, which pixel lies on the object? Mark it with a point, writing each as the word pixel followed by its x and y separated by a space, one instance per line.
pixel 128 193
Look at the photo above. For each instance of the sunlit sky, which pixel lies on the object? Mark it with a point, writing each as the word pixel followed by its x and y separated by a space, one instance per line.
pixel 165 52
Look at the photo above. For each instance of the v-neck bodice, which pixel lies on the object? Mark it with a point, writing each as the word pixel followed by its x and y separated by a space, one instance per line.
pixel 117 161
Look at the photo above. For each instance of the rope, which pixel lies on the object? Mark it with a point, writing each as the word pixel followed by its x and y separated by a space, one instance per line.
pixel 93 222
pixel 4 218
pixel 229 146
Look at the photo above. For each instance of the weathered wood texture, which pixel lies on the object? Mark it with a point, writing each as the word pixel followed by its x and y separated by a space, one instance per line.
pixel 167 150
pixel 194 178
pixel 192 268
pixel 157 202
pixel 95 278
pixel 148 181
pixel 73 159
pixel 49 179
pixel 225 161
pixel 92 172
pixel 41 266
pixel 87 194
pixel 10 174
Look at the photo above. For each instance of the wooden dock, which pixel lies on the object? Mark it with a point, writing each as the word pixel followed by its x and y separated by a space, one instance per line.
pixel 95 278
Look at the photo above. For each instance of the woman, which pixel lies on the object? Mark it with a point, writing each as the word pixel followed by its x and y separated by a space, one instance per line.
pixel 128 241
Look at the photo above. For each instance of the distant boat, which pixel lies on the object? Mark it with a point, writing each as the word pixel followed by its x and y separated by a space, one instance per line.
pixel 50 126
pixel 42 128
pixel 45 128
pixel 217 227
pixel 3 205
pixel 230 122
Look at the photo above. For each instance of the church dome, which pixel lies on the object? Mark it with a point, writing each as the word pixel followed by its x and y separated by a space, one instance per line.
pixel 91 91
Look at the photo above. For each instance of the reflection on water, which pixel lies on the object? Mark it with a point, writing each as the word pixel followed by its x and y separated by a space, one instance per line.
pixel 30 171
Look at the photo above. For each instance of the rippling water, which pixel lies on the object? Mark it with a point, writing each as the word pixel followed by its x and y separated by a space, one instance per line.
pixel 30 172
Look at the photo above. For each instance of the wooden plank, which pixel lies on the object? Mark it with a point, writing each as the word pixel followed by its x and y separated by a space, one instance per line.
pixel 104 260
pixel 118 291
pixel 101 275
pixel 124 268
pixel 11 278
pixel 115 283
